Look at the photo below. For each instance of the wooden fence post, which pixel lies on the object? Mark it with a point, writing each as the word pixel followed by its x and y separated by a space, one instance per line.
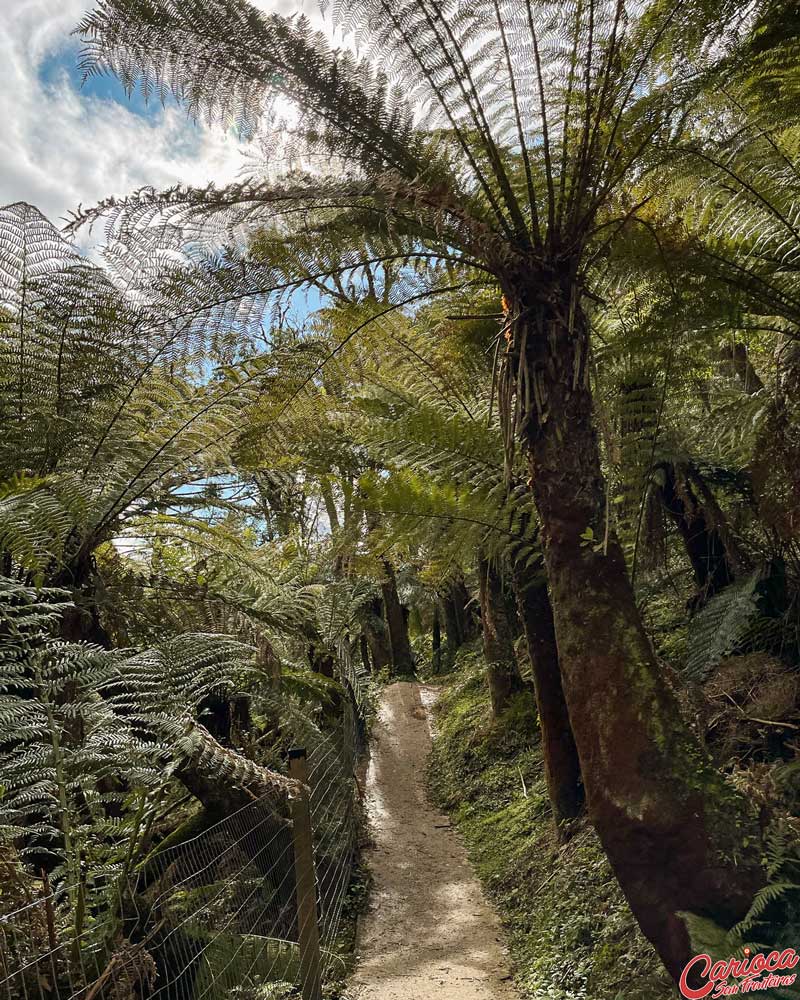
pixel 310 972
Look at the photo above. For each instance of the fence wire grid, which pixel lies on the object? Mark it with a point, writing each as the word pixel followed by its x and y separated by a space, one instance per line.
pixel 213 917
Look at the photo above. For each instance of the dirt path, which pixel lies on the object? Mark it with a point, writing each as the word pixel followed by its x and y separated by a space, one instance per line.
pixel 429 934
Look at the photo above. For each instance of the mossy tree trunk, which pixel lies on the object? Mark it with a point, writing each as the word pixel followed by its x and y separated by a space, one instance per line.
pixel 464 609
pixel 503 674
pixel 674 832
pixel 562 768
pixel 452 631
pixel 402 658
pixel 702 527
pixel 461 622
pixel 377 634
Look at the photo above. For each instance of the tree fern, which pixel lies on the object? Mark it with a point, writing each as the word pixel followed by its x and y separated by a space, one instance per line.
pixel 722 626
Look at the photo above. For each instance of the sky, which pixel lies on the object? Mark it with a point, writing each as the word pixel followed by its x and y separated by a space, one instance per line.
pixel 64 144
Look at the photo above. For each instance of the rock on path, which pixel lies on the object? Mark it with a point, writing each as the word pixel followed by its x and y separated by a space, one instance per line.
pixel 428 934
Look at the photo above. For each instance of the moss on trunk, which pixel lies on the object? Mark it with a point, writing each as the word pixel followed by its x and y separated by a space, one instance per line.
pixel 402 658
pixel 505 680
pixel 562 768
pixel 675 833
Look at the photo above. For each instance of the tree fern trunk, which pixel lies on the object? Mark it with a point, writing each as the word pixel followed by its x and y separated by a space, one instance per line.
pixel 468 625
pixel 504 677
pixel 713 563
pixel 562 769
pixel 377 634
pixel 402 659
pixel 452 631
pixel 668 822
pixel 460 620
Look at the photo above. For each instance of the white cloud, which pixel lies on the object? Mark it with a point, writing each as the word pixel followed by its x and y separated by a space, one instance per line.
pixel 61 147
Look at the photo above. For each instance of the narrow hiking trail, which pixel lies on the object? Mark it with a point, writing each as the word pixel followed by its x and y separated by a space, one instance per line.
pixel 429 934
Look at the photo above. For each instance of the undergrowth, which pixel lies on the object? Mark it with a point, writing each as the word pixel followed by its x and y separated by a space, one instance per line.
pixel 344 947
pixel 571 932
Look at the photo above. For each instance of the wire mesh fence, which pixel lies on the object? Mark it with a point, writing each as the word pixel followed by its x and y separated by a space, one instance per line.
pixel 213 916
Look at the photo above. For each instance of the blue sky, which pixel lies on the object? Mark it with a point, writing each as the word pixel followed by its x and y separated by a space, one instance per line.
pixel 63 62
pixel 64 144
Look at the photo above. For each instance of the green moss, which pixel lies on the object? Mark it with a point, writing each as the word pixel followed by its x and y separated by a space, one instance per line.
pixel 570 931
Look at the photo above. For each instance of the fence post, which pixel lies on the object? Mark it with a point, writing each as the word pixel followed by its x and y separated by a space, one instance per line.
pixel 310 975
